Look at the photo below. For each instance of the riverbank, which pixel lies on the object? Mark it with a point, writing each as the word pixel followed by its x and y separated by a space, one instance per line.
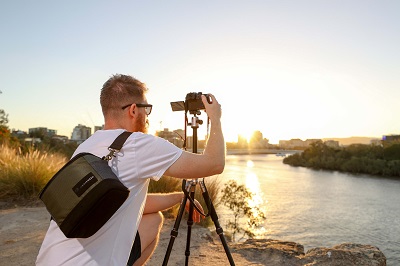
pixel 356 159
pixel 260 151
pixel 22 230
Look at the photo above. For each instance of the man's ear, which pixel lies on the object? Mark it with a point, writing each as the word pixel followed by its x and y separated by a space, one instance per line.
pixel 132 110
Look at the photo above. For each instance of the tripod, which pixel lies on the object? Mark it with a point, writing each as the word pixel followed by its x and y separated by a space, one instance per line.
pixel 189 187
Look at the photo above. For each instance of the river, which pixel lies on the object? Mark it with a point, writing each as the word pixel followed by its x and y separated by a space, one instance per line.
pixel 319 208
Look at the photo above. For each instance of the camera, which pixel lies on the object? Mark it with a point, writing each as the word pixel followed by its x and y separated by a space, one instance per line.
pixel 192 102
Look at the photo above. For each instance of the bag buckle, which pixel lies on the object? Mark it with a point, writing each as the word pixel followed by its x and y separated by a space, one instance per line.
pixel 111 154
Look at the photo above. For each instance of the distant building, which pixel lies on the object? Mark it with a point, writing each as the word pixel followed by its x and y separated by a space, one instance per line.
pixel 296 143
pixel 81 133
pixel 308 142
pixel 63 139
pixel 376 142
pixel 332 143
pixel 257 140
pixel 32 141
pixel 388 140
pixel 19 134
pixel 98 128
pixel 242 142
pixel 175 137
pixel 41 132
pixel 290 144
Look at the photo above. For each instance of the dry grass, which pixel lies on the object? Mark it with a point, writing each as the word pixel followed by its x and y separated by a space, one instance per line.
pixel 22 176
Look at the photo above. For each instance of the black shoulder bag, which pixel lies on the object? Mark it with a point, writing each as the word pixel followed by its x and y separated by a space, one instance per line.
pixel 83 195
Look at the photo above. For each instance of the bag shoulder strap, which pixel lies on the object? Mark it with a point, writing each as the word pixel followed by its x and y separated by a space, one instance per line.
pixel 117 145
pixel 120 140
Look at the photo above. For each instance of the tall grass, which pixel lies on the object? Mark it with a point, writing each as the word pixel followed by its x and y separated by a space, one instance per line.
pixel 23 175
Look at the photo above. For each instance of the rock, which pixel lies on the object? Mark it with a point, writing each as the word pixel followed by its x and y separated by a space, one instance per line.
pixel 274 252
pixel 270 252
pixel 346 254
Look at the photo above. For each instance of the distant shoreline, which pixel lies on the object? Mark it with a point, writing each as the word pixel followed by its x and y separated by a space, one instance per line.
pixel 256 151
pixel 259 151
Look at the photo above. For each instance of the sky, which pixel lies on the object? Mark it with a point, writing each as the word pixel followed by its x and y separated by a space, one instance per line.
pixel 290 69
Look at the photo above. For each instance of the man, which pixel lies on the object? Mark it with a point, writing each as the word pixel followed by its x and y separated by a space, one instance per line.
pixel 138 220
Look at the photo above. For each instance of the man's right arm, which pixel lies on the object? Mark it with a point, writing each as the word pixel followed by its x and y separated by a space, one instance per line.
pixel 212 161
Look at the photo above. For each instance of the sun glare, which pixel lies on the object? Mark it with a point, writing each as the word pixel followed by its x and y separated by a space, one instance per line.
pixel 253 184
pixel 246 135
pixel 250 163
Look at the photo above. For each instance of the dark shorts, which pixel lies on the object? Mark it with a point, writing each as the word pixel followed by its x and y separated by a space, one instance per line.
pixel 136 250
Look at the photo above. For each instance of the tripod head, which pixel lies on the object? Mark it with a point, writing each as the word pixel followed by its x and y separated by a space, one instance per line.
pixel 194 124
pixel 192 104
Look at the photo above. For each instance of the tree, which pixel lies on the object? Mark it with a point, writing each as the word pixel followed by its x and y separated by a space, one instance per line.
pixel 3 118
pixel 236 198
pixel 4 132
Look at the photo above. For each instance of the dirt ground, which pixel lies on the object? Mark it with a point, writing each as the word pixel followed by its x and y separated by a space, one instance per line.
pixel 22 230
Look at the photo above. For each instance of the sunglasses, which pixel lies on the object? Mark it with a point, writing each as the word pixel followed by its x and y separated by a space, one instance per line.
pixel 147 107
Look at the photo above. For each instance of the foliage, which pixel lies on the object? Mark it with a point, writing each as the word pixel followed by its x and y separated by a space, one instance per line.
pixel 3 118
pixel 392 152
pixel 22 176
pixel 6 138
pixel 237 198
pixel 4 134
pixel 356 158
pixel 164 185
pixel 56 146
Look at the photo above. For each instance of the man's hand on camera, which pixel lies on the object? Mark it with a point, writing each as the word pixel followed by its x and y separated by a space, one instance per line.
pixel 213 109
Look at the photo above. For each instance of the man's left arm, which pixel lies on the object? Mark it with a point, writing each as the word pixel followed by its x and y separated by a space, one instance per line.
pixel 156 202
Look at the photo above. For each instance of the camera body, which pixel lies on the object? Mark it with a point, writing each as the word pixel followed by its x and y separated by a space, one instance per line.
pixel 192 102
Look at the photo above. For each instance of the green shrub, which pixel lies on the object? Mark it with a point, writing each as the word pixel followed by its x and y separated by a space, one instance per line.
pixel 237 198
pixel 392 152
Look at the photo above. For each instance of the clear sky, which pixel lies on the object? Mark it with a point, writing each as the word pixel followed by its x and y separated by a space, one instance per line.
pixel 291 69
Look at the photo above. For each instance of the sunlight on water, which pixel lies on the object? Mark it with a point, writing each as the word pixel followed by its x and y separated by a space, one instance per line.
pixel 252 183
pixel 250 164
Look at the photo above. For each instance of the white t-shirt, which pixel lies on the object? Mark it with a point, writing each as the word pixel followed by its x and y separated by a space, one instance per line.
pixel 142 157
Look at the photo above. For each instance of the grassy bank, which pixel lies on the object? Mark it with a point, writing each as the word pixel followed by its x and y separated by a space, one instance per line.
pixel 24 174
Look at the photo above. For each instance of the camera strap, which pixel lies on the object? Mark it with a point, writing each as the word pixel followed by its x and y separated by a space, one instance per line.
pixel 194 205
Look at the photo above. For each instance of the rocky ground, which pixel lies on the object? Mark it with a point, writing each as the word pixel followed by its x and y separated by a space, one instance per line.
pixel 22 230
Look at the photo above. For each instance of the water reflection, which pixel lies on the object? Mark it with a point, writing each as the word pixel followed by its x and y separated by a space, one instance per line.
pixel 319 208
pixel 257 201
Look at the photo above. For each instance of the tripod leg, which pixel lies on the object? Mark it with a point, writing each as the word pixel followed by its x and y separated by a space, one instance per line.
pixel 189 229
pixel 214 218
pixel 174 231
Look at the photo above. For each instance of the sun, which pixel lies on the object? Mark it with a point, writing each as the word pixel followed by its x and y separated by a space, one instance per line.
pixel 246 134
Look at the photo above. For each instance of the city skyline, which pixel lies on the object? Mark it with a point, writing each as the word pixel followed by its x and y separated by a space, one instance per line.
pixel 257 134
pixel 294 69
